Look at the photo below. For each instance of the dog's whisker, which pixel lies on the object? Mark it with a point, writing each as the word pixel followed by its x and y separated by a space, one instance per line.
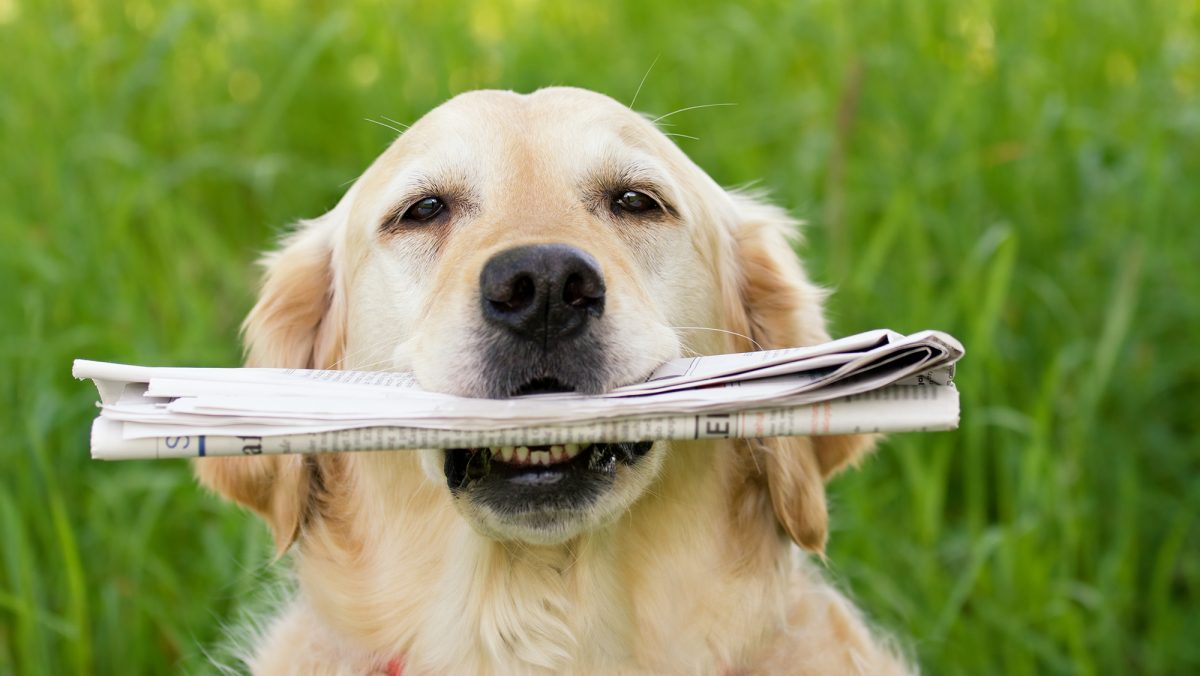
pixel 347 182
pixel 639 87
pixel 366 349
pixel 370 366
pixel 341 361
pixel 753 342
pixel 395 122
pixel 381 365
pixel 694 138
pixel 684 110
pixel 384 125
pixel 690 352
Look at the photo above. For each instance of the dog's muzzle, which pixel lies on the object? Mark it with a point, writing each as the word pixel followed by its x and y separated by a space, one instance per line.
pixel 542 305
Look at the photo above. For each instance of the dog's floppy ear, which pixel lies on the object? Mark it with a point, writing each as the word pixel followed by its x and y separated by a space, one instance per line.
pixel 296 323
pixel 770 299
pixel 276 487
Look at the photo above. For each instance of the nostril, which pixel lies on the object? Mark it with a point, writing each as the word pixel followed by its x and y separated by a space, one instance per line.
pixel 573 291
pixel 581 293
pixel 518 296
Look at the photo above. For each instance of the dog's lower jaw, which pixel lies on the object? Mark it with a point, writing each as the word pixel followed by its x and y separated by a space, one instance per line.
pixel 510 497
pixel 538 529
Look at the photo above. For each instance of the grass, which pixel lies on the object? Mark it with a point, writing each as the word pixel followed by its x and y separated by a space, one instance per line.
pixel 1022 174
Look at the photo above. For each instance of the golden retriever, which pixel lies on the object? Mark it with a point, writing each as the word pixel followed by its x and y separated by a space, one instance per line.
pixel 508 244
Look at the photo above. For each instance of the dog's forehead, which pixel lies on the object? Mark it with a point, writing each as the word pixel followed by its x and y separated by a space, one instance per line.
pixel 542 115
pixel 561 130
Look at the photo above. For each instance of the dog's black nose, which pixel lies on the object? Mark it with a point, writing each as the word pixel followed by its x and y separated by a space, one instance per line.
pixel 542 292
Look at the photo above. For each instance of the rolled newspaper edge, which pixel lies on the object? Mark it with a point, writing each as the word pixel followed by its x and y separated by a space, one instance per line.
pixel 895 408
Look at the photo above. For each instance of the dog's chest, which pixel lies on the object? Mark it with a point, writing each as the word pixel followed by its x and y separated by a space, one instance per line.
pixel 522 616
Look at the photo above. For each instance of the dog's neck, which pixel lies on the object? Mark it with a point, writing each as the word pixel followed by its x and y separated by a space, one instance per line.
pixel 700 578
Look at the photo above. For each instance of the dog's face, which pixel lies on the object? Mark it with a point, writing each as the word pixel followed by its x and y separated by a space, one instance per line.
pixel 513 244
pixel 508 245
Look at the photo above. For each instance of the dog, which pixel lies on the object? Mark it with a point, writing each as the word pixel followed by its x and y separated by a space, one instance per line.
pixel 508 244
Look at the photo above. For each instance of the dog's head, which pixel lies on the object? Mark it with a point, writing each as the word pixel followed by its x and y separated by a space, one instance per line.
pixel 511 244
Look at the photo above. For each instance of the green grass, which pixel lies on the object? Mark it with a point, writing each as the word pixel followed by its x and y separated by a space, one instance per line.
pixel 1025 175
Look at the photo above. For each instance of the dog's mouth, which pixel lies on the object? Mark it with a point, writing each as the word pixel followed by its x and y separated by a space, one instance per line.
pixel 521 480
pixel 543 386
pixel 539 493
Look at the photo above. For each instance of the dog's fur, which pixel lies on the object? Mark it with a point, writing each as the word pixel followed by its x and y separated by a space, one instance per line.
pixel 688 566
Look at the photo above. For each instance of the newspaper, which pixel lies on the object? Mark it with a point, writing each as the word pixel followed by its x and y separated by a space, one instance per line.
pixel 878 381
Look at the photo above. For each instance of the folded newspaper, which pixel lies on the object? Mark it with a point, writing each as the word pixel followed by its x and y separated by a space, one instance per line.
pixel 878 381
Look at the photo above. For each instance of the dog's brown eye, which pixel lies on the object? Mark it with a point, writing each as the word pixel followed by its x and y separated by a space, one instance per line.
pixel 424 209
pixel 635 202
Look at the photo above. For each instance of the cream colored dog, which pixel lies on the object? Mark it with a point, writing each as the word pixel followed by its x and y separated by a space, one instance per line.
pixel 509 244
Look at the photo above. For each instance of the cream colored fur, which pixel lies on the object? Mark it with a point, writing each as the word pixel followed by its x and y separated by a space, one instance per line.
pixel 689 567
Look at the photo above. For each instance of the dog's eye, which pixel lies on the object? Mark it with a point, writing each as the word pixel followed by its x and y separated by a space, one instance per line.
pixel 424 209
pixel 634 202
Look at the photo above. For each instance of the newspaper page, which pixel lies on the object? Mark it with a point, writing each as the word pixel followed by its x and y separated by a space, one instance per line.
pixel 878 381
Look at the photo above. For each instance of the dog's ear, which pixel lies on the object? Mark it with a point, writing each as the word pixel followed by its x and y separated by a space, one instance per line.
pixel 276 487
pixel 770 300
pixel 296 323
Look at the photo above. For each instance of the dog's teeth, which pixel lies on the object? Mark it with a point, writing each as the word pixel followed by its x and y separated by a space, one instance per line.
pixel 522 454
pixel 540 457
pixel 556 453
pixel 571 450
pixel 506 453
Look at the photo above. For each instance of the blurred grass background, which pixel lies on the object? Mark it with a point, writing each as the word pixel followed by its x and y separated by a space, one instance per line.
pixel 1023 174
